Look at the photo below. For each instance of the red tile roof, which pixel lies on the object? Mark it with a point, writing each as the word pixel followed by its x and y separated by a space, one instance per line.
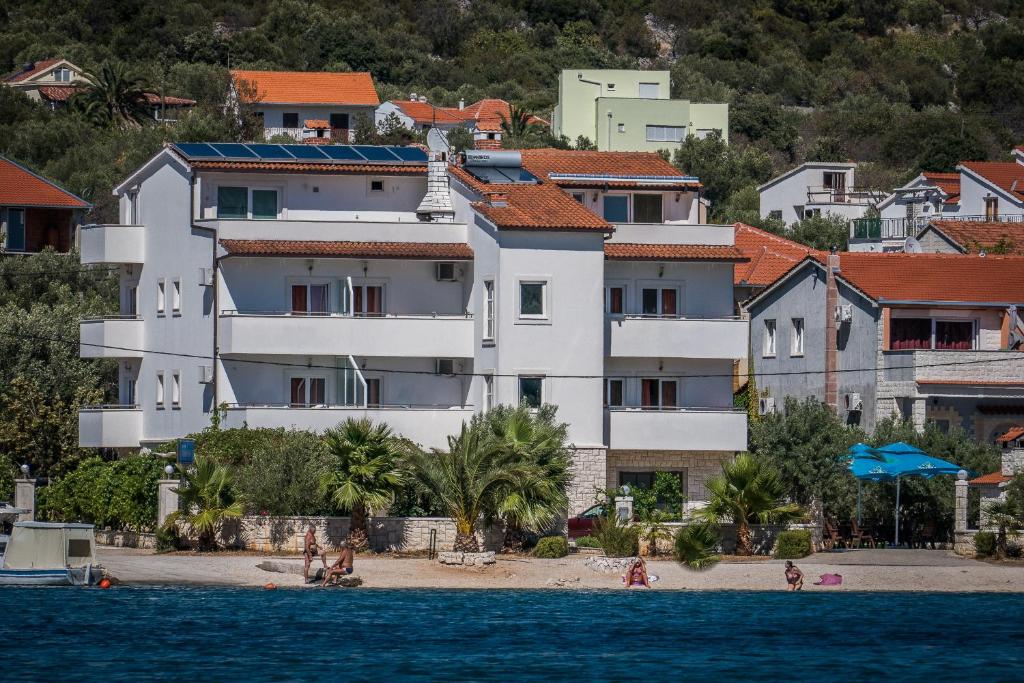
pixel 309 87
pixel 973 236
pixel 770 256
pixel 671 252
pixel 542 162
pixel 396 250
pixel 62 93
pixel 486 115
pixel 289 167
pixel 21 187
pixel 424 112
pixel 948 183
pixel 1008 176
pixel 35 69
pixel 316 124
pixel 992 479
pixel 1012 434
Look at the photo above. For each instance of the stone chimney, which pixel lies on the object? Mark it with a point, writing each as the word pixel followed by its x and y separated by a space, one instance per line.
pixel 436 206
pixel 831 332
pixel 462 104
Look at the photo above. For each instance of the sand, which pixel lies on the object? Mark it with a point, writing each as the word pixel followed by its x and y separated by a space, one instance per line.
pixel 862 570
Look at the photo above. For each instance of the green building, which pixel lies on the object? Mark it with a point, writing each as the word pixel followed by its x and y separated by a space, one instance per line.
pixel 630 111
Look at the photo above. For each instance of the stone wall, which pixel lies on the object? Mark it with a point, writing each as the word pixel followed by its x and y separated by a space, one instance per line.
pixel 764 536
pixel 1013 461
pixel 588 477
pixel 699 465
pixel 125 539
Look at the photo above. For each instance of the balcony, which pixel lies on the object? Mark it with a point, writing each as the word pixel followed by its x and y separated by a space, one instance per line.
pixel 637 336
pixel 673 233
pixel 331 334
pixel 113 244
pixel 882 229
pixel 111 337
pixel 360 226
pixel 820 194
pixel 966 373
pixel 335 136
pixel 677 429
pixel 110 427
pixel 428 426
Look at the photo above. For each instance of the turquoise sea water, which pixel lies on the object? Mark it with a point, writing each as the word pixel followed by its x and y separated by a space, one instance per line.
pixel 219 634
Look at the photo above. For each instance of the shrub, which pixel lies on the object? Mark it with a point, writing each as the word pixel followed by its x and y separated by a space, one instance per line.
pixel 985 543
pixel 167 538
pixel 617 539
pixel 696 545
pixel 588 542
pixel 792 545
pixel 552 547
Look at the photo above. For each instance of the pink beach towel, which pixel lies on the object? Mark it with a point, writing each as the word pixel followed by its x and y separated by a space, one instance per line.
pixel 830 580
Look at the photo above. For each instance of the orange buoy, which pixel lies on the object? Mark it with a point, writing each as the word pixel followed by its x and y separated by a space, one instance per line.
pixel 104 583
pixel 270 586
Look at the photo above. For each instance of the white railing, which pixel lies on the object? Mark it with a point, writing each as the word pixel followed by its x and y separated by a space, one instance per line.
pixel 876 229
pixel 110 426
pixel 672 428
pixel 654 336
pixel 819 194
pixel 116 336
pixel 335 135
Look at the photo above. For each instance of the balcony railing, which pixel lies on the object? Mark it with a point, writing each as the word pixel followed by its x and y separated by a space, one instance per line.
pixel 676 429
pixel 338 136
pixel 655 336
pixel 112 243
pixel 349 226
pixel 955 366
pixel 110 426
pixel 819 194
pixel 119 336
pixel 879 229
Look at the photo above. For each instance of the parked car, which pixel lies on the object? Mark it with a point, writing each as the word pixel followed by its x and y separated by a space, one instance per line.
pixel 583 523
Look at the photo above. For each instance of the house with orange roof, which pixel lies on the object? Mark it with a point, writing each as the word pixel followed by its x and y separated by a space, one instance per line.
pixel 815 188
pixel 769 257
pixel 291 103
pixel 927 337
pixel 482 118
pixel 36 213
pixel 906 211
pixel 972 237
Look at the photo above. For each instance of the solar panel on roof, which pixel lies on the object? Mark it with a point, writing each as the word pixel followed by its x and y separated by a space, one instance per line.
pixel 197 149
pixel 341 153
pixel 270 151
pixel 409 153
pixel 502 175
pixel 305 152
pixel 375 153
pixel 233 150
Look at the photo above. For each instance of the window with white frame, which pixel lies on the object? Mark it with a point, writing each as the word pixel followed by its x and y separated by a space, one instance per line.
pixel 176 295
pixel 160 389
pixel 581 197
pixel 796 347
pixel 161 296
pixel 62 75
pixel 769 337
pixel 489 310
pixel 128 398
pixel 531 390
pixel 133 207
pixel 775 214
pixel 376 185
pixel 310 299
pixel 533 299
pixel 257 203
pixel 614 392
pixel 659 393
pixel 307 391
pixel 367 300
pixel 665 133
pixel 176 389
pixel 621 128
pixel 661 302
pixel 488 391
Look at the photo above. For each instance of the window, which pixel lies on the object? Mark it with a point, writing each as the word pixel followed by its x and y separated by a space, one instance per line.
pixel 616 208
pixel 705 133
pixel 665 133
pixel 531 391
pixel 797 347
pixel 373 392
pixel 308 391
pixel 176 389
pixel 581 197
pixel 368 301
pixel 531 299
pixel 659 302
pixel 339 121
pixel 160 390
pixel 769 337
pixel 615 300
pixel 611 86
pixel 232 202
pixel 131 300
pixel 645 480
pixel 489 309
pixel 614 392
pixel 445 272
pixel 15 229
pixel 622 128
pixel 161 296
pixel 954 335
pixel 488 392
pixel 62 75
pixel 310 299
pixel 445 366
pixel 133 207
pixel 264 204
pixel 910 333
pixel 376 185
pixel 649 91
pixel 658 393
pixel 992 208
pixel 775 214
pixel 290 119
pixel 129 392
pixel 811 213
pixel 835 183
pixel 647 208
pixel 176 296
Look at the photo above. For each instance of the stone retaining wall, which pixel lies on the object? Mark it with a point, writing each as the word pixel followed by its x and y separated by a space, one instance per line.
pixel 125 539
pixel 764 536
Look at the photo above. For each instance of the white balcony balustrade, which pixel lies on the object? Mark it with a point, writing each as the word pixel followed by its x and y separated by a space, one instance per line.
pixel 638 336
pixel 117 426
pixel 668 429
pixel 111 337
pixel 112 244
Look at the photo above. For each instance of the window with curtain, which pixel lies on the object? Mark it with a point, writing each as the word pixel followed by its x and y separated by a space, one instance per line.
pixel 615 300
pixel 910 333
pixel 658 393
pixel 614 392
pixel 368 300
pixel 659 301
pixel 954 335
pixel 308 391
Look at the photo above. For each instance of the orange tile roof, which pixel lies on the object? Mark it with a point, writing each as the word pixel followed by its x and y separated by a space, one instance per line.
pixel 21 187
pixel 316 124
pixel 1012 434
pixel 948 183
pixel 309 87
pixel 994 478
pixel 424 112
pixel 542 162
pixel 976 235
pixel 289 167
pixel 770 256
pixel 486 114
pixel 671 252
pixel 62 93
pixel 302 249
pixel 1008 176
pixel 36 68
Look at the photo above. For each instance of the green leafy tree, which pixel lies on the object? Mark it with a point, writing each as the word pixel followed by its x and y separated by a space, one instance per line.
pixel 822 232
pixel 1007 514
pixel 206 500
pixel 365 474
pixel 722 168
pixel 282 474
pixel 113 96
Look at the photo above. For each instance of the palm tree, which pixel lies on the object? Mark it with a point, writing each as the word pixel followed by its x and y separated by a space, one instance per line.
pixel 206 499
pixel 517 126
pixel 1007 514
pixel 696 545
pixel 535 441
pixel 367 471
pixel 468 478
pixel 113 96
pixel 748 492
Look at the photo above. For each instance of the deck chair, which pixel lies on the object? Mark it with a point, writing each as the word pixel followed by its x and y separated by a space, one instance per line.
pixel 858 535
pixel 830 537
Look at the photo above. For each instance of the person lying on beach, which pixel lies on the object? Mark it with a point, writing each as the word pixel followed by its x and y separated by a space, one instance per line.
pixel 310 549
pixel 636 575
pixel 343 566
pixel 794 577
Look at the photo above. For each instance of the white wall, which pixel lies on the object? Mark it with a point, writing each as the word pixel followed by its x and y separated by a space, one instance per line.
pixel 273 114
pixel 705 288
pixel 789 195
pixel 672 210
pixel 973 193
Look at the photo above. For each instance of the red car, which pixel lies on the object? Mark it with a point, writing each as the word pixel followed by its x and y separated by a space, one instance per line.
pixel 583 523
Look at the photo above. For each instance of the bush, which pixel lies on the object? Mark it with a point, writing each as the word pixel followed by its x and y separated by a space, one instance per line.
pixel 167 538
pixel 985 543
pixel 792 545
pixel 696 545
pixel 588 542
pixel 616 539
pixel 551 547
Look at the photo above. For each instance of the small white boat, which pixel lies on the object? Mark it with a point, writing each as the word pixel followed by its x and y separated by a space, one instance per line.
pixel 50 554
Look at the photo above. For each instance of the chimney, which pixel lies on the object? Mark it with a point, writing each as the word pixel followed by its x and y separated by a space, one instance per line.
pixel 831 332
pixel 436 206
pixel 412 97
pixel 462 104
pixel 423 98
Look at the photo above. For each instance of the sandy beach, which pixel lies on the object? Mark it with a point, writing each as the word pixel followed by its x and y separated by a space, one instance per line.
pixel 862 570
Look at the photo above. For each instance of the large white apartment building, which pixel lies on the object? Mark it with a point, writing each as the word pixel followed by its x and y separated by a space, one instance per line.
pixel 300 285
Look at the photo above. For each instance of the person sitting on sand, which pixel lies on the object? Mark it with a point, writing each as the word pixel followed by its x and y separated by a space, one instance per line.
pixel 343 566
pixel 636 575
pixel 310 549
pixel 794 577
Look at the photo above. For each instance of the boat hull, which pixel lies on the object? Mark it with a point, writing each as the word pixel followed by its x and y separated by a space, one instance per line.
pixel 75 576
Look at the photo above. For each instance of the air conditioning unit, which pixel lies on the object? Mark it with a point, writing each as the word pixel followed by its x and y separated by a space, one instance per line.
pixel 844 313
pixel 205 374
pixel 854 404
pixel 446 272
pixel 445 366
pixel 206 277
pixel 766 404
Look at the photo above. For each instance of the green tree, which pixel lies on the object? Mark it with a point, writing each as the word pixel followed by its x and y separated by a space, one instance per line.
pixel 281 474
pixel 365 473
pixel 1007 514
pixel 749 491
pixel 517 128
pixel 113 96
pixel 696 545
pixel 722 168
pixel 822 232
pixel 206 500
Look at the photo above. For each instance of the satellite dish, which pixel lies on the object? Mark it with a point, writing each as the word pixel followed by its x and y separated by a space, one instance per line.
pixel 912 246
pixel 437 141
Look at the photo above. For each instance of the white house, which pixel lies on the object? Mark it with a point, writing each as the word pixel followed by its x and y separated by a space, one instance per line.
pixel 815 188
pixel 299 285
pixel 482 118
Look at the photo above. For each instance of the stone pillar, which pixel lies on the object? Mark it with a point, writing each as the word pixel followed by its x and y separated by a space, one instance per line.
pixel 166 499
pixel 960 505
pixel 589 473
pixel 624 508
pixel 918 411
pixel 25 498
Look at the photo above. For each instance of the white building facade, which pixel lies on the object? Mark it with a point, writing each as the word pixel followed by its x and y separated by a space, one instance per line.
pixel 298 292
pixel 815 189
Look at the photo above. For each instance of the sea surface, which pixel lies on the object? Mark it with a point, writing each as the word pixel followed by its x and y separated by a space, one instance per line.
pixel 221 634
